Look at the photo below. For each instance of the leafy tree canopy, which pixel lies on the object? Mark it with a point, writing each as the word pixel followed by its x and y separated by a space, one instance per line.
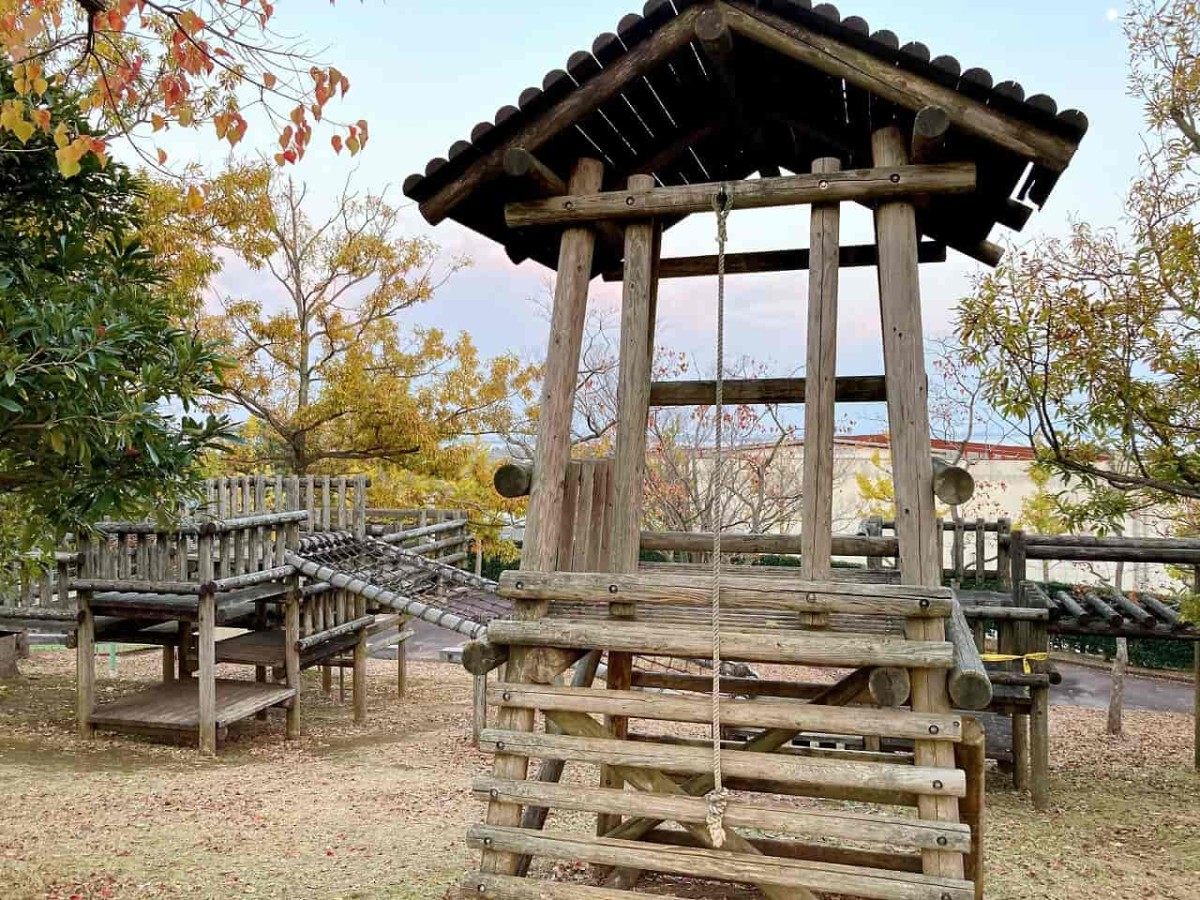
pixel 1092 342
pixel 91 362
pixel 325 374
pixel 139 67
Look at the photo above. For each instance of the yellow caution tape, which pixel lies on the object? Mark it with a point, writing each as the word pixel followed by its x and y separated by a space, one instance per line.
pixel 1004 657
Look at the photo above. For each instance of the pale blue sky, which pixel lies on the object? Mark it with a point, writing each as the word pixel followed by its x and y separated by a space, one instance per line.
pixel 425 71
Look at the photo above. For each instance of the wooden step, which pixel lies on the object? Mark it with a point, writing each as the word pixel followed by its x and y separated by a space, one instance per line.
pixel 689 642
pixel 855 881
pixel 781 593
pixel 175 706
pixel 763 815
pixel 750 713
pixel 921 780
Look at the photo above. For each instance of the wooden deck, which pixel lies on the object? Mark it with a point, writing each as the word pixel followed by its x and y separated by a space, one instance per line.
pixel 265 648
pixel 173 708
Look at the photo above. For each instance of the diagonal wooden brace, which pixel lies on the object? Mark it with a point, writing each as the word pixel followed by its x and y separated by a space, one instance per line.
pixel 583 725
pixel 838 694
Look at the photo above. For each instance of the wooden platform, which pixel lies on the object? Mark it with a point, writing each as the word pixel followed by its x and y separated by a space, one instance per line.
pixel 265 648
pixel 173 708
pixel 185 607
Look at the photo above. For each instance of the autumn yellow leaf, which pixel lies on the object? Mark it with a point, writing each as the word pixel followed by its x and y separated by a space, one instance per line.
pixel 269 80
pixel 195 199
pixel 68 161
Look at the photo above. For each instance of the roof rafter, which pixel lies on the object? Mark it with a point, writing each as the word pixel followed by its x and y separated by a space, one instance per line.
pixel 895 84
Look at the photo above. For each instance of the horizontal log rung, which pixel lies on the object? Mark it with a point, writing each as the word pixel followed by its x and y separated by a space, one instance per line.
pixel 737 591
pixel 742 713
pixel 876 884
pixel 763 261
pixel 689 642
pixel 763 815
pixel 833 773
pixel 847 389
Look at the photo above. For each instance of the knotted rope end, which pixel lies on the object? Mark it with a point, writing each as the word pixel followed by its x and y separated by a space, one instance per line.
pixel 714 816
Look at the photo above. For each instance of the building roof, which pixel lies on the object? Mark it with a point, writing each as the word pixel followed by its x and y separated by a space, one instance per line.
pixel 970 449
pixel 789 83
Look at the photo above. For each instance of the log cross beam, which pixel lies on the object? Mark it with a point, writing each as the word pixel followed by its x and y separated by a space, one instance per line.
pixel 879 183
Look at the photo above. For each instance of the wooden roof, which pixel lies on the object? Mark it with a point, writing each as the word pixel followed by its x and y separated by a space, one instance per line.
pixel 795 83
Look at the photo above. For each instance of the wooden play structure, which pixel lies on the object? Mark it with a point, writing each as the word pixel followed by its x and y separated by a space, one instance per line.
pixel 671 115
pixel 256 557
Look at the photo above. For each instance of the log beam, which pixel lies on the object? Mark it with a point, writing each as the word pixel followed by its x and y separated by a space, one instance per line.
pixel 816 514
pixel 553 449
pixel 765 261
pixel 877 184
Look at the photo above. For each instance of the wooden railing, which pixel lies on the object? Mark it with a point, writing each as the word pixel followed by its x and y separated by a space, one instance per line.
pixel 975 549
pixel 334 503
pixel 440 534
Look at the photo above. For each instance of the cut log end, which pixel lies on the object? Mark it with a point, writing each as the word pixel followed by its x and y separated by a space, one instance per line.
pixel 890 686
pixel 513 480
pixel 951 484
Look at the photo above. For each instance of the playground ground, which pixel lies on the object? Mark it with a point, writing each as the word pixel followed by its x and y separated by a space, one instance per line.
pixel 379 810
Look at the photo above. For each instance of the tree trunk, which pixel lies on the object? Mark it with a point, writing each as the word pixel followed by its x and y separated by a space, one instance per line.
pixel 1116 698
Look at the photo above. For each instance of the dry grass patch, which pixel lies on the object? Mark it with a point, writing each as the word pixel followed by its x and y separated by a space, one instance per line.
pixel 380 810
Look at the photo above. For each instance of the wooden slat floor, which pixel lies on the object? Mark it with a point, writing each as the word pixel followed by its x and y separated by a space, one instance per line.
pixel 175 706
pixel 254 648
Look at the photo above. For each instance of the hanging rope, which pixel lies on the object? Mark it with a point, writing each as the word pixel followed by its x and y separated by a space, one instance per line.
pixel 718 798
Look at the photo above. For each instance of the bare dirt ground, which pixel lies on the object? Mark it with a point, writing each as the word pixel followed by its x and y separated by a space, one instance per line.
pixel 380 810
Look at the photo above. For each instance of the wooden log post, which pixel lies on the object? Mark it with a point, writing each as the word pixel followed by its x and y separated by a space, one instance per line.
pixel 816 517
pixel 890 686
pixel 1003 546
pixel 291 656
pixel 1037 641
pixel 639 298
pixel 551 458
pixel 85 666
pixel 908 419
pixel 552 452
pixel 402 661
pixel 360 662
pixel 478 706
pixel 207 649
pixel 971 757
pixel 904 366
pixel 953 485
